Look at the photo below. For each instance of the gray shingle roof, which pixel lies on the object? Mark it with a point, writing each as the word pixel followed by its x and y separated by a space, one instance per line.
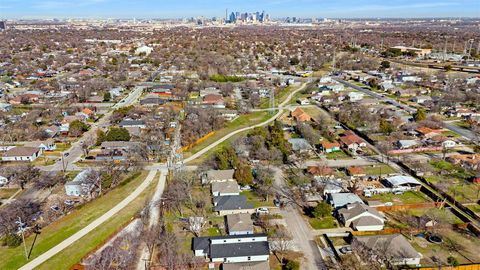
pixel 394 245
pixel 233 202
pixel 239 249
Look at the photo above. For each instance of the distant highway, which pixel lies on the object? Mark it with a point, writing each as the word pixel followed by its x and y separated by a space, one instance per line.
pixel 452 127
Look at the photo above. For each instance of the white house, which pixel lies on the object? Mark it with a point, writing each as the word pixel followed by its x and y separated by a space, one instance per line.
pixel 22 153
pixel 143 50
pixel 78 186
pixel 233 248
pixel 47 145
pixel 217 176
pixel 355 96
pixel 361 217
pixel 339 200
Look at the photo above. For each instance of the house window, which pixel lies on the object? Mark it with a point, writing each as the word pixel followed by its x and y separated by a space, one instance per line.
pixel 224 259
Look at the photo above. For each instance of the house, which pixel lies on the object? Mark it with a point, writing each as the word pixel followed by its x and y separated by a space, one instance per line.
pixel 22 153
pixel 355 96
pixel 405 144
pixel 113 145
pixel 232 248
pixel 428 132
pixel 24 99
pixel 351 141
pixel 402 183
pixel 152 101
pixel 301 116
pixel 303 101
pixel 5 107
pixel 361 217
pixel 300 145
pixel 214 100
pixel 329 185
pixel 130 123
pixel 112 155
pixel 145 50
pixel 468 161
pixel 356 171
pixel 394 246
pixel 320 171
pixel 329 147
pixel 239 224
pixel 421 99
pixel 225 188
pixel 339 200
pixel 232 204
pixel 78 186
pixel 217 176
pixel 47 145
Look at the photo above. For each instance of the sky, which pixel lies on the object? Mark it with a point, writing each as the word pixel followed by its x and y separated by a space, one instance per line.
pixel 103 9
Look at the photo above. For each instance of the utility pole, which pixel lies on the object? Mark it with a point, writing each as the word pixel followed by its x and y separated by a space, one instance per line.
pixel 272 101
pixel 21 227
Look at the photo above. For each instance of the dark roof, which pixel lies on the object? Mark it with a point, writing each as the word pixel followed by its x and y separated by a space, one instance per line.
pixel 132 122
pixel 204 241
pixel 201 243
pixel 152 100
pixel 239 249
pixel 231 203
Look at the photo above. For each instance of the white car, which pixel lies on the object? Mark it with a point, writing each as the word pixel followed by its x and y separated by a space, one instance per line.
pixel 262 210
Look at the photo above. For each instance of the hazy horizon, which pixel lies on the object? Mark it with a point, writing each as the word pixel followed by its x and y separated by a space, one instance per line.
pixel 168 9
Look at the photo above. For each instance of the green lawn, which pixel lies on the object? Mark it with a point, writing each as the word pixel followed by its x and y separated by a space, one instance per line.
pixel 6 193
pixel 378 169
pixel 213 232
pixel 13 258
pixel 322 223
pixel 409 197
pixel 74 253
pixel 240 122
pixel 475 208
pixel 338 155
pixel 256 200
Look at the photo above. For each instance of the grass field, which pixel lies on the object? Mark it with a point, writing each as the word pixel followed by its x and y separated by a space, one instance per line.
pixel 13 258
pixel 322 223
pixel 256 200
pixel 338 155
pixel 409 197
pixel 378 169
pixel 241 122
pixel 6 193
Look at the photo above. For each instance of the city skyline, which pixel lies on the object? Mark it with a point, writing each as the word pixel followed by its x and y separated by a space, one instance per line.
pixel 102 9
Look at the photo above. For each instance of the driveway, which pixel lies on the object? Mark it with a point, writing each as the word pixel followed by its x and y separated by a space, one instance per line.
pixel 303 235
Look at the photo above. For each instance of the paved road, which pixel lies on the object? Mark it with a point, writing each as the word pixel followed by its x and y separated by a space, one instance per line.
pixel 452 127
pixel 303 235
pixel 92 226
pixel 226 137
pixel 76 150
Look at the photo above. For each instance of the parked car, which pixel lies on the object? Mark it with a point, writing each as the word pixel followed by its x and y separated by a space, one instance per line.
pixel 262 210
pixel 346 250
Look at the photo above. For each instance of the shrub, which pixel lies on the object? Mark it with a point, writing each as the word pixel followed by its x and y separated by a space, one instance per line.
pixel 11 240
pixel 291 265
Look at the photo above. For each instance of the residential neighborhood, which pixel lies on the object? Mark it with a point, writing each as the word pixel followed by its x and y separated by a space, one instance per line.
pixel 239 142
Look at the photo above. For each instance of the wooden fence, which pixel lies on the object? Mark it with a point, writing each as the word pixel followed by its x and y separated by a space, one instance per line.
pixel 187 147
